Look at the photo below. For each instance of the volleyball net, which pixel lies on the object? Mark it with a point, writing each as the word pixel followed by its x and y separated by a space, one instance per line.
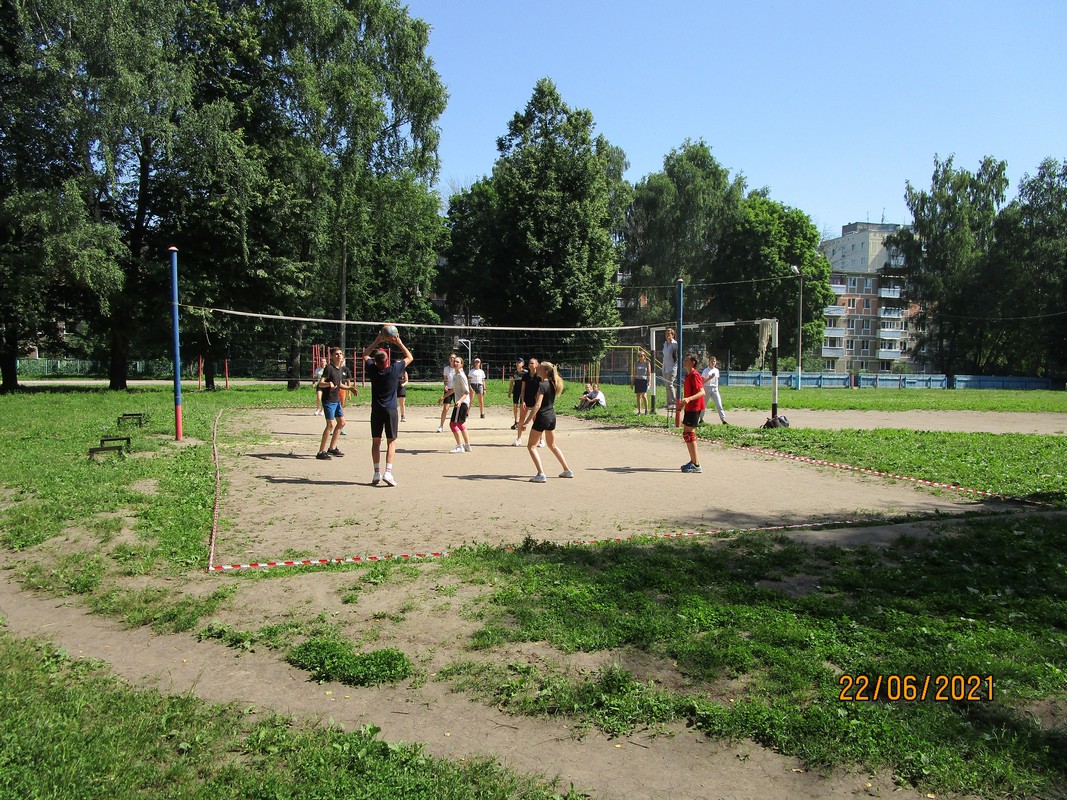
pixel 270 347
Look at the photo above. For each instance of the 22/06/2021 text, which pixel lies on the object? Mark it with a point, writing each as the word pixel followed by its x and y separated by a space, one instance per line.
pixel 872 688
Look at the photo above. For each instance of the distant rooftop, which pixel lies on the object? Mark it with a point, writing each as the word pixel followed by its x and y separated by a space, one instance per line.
pixel 877 227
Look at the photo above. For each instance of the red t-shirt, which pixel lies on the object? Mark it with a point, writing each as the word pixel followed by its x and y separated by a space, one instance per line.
pixel 694 384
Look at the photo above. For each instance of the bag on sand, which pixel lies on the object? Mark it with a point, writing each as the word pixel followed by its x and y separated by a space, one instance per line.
pixel 781 421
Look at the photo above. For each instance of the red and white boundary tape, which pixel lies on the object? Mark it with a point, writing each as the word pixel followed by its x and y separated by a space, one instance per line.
pixel 306 562
pixel 316 562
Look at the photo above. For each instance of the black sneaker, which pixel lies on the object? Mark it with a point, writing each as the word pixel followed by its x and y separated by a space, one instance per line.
pixel 514 426
pixel 333 451
pixel 323 456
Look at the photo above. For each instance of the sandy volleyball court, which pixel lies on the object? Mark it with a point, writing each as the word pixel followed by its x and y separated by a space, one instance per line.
pixel 282 502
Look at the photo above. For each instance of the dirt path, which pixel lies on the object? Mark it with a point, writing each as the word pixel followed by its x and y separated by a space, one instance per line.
pixel 281 500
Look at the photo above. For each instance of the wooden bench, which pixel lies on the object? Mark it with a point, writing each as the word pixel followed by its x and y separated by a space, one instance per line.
pixel 104 441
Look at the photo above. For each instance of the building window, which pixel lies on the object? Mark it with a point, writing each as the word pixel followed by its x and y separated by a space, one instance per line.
pixel 850 345
pixel 866 326
pixel 851 302
pixel 866 305
pixel 868 285
pixel 885 366
pixel 829 365
pixel 851 324
pixel 852 284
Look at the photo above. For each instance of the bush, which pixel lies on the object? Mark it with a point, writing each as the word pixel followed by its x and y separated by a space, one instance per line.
pixel 334 659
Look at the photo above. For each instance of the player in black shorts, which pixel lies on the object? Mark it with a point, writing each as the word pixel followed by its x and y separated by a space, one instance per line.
pixel 384 377
pixel 515 387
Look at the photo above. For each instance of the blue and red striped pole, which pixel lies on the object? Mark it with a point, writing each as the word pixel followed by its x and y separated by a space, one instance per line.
pixel 177 345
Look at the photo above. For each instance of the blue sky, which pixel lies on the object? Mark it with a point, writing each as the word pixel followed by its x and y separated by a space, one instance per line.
pixel 831 105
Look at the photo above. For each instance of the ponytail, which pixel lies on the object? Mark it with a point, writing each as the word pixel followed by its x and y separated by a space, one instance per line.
pixel 554 377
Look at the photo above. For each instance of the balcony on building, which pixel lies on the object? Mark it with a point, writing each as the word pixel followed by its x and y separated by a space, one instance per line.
pixel 886 312
pixel 833 352
pixel 889 355
pixel 834 311
pixel 890 293
pixel 838 288
pixel 893 334
pixel 838 333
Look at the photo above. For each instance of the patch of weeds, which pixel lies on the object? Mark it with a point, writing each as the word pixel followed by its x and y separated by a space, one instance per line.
pixel 132 559
pixel 159 608
pixel 611 700
pixel 70 573
pixel 331 658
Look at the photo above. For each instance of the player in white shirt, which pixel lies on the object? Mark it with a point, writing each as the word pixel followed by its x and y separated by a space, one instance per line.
pixel 448 398
pixel 477 381
pixel 711 388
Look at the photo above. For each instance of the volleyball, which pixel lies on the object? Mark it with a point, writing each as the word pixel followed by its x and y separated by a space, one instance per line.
pixel 390 330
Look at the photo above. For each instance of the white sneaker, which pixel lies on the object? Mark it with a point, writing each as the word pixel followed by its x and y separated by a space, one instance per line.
pixel 541 443
pixel 376 479
pixel 466 448
pixel 440 429
pixel 516 443
pixel 389 479
pixel 457 449
pixel 567 474
pixel 540 477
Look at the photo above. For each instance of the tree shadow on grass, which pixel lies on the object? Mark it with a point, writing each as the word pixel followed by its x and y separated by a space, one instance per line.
pixel 980 596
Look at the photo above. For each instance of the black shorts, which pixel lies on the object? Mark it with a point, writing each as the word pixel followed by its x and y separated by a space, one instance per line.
pixel 477 388
pixel 459 414
pixel 544 423
pixel 691 418
pixel 401 391
pixel 515 395
pixel 383 420
pixel 640 385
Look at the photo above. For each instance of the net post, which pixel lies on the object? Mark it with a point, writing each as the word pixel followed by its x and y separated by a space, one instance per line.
pixel 774 369
pixel 177 344
pixel 679 379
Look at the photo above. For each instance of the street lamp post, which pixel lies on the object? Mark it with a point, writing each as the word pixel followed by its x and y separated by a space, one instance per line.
pixel 800 322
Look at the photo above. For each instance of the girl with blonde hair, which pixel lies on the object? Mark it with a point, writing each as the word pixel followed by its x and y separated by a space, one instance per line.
pixel 542 416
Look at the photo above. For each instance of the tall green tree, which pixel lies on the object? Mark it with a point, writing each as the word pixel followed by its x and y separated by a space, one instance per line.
pixel 754 278
pixel 538 233
pixel 946 256
pixel 675 230
pixel 1027 275
pixel 86 86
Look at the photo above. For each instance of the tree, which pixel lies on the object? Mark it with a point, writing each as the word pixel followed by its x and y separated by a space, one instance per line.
pixel 755 279
pixel 538 232
pixel 946 258
pixel 257 137
pixel 1029 267
pixel 675 229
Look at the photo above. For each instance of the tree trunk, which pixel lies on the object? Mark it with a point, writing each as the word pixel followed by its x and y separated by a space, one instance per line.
pixel 292 368
pixel 120 350
pixel 9 360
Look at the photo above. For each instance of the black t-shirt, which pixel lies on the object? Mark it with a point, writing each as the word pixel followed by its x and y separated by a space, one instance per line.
pixel 530 382
pixel 339 375
pixel 384 382
pixel 516 383
pixel 547 411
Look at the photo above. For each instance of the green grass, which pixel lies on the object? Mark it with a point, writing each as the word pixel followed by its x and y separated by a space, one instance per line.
pixel 70 730
pixel 988 597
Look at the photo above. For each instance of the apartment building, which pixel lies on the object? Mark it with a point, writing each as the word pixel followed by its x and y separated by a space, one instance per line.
pixel 867 327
